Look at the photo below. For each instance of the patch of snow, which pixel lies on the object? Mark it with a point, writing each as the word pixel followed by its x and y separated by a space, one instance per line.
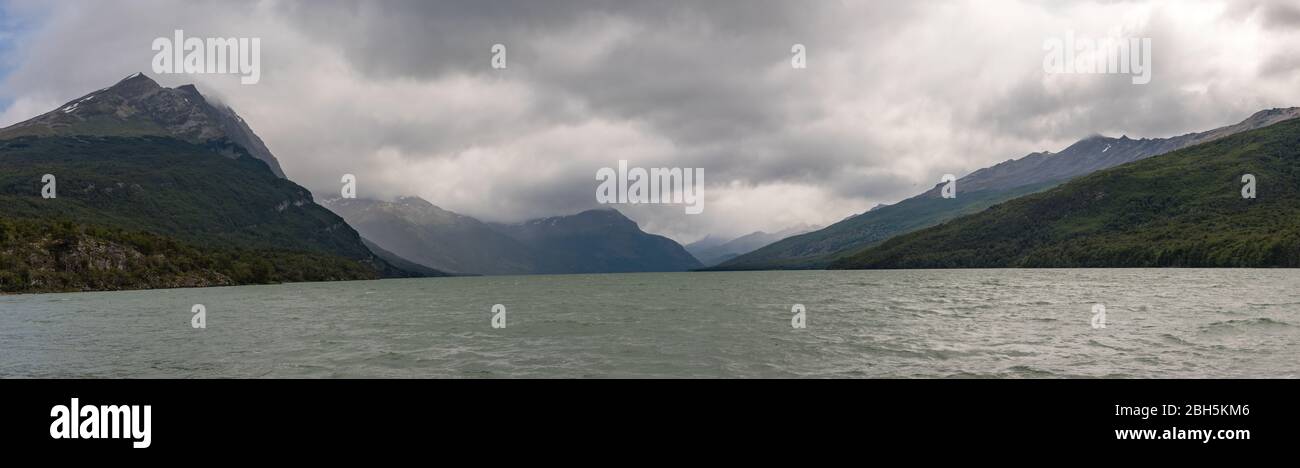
pixel 1106 149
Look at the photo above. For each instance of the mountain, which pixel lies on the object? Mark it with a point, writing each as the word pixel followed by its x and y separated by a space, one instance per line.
pixel 712 251
pixel 136 209
pixel 138 106
pixel 1182 209
pixel 979 191
pixel 597 241
pixel 416 230
pixel 401 262
pixel 708 242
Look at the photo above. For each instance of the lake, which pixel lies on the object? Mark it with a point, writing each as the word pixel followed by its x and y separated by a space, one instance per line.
pixel 870 324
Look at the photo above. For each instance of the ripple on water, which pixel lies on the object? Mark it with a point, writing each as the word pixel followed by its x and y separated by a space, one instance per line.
pixel 934 324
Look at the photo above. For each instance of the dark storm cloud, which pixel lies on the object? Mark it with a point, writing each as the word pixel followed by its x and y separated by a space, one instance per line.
pixel 696 70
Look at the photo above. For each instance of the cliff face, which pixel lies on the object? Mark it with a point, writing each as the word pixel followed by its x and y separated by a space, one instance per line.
pixel 55 258
pixel 138 106
pixel 159 188
pixel 61 256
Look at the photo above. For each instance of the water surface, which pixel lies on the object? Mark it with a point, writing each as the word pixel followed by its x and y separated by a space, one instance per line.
pixel 923 323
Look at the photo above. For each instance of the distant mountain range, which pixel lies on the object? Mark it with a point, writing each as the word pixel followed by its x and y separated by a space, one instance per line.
pixel 977 192
pixel 712 250
pixel 595 241
pixel 157 187
pixel 161 187
pixel 1181 209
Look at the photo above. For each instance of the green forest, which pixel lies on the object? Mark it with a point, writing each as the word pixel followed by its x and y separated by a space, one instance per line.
pixel 1181 209
pixel 54 256
pixel 155 212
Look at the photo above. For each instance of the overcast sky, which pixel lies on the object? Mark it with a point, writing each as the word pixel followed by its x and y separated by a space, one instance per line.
pixel 895 94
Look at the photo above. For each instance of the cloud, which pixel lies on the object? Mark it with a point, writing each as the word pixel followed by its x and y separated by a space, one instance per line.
pixel 895 94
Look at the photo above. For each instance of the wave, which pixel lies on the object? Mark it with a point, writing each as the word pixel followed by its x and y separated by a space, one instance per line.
pixel 1032 372
pixel 1103 345
pixel 1169 337
pixel 1236 324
